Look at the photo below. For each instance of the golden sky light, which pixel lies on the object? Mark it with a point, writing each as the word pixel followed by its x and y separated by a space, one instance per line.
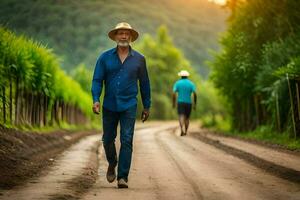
pixel 221 2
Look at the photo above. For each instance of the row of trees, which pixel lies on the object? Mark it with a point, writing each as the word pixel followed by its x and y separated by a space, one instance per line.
pixel 34 90
pixel 258 69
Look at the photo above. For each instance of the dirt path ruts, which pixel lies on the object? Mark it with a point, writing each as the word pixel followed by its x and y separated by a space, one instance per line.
pixel 222 176
pixel 285 172
pixel 57 182
pixel 24 155
pixel 165 166
pixel 185 171
pixel 168 167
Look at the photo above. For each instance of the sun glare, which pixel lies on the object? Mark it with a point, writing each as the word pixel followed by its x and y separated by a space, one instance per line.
pixel 221 2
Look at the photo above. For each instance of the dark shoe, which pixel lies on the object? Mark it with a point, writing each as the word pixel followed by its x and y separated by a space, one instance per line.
pixel 182 133
pixel 122 183
pixel 111 173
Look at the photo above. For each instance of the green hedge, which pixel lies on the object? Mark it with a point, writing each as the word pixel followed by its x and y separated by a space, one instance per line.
pixel 34 89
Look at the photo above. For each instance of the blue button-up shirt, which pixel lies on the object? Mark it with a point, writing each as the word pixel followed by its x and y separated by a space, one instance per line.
pixel 120 80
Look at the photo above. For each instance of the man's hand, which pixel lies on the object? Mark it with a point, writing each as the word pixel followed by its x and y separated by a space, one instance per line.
pixel 96 108
pixel 145 115
pixel 174 100
pixel 195 100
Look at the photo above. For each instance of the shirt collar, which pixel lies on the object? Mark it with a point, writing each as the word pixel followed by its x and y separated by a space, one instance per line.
pixel 131 52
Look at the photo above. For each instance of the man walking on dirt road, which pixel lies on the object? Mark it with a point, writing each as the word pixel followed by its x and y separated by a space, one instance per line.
pixel 184 87
pixel 120 69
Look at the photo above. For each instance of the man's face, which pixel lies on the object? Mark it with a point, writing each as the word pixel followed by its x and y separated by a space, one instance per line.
pixel 123 38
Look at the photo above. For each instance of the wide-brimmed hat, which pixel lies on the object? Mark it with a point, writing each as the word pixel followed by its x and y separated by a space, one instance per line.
pixel 183 73
pixel 126 26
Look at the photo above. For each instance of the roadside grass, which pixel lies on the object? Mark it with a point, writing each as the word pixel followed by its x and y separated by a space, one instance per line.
pixel 63 126
pixel 262 133
pixel 266 134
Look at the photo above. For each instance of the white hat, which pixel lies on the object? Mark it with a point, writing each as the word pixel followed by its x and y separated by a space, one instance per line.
pixel 183 73
pixel 126 26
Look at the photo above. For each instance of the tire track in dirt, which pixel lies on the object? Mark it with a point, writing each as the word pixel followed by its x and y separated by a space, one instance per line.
pixel 231 176
pixel 60 180
pixel 183 170
pixel 153 174
pixel 81 184
pixel 270 167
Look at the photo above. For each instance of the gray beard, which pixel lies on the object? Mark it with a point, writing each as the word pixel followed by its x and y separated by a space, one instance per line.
pixel 123 43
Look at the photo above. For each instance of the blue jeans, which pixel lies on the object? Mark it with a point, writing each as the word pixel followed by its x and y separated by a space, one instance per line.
pixel 110 122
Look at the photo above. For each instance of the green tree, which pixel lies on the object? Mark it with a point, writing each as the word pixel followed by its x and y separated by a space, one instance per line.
pixel 260 45
pixel 83 76
pixel 164 61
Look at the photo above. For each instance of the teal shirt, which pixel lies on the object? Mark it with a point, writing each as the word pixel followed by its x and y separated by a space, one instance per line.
pixel 184 88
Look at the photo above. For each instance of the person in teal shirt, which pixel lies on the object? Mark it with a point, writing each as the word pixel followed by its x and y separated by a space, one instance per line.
pixel 184 88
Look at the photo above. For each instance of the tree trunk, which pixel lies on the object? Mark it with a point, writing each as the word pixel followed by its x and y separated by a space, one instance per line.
pixel 3 104
pixel 52 117
pixel 297 110
pixel 21 104
pixel 57 111
pixel 292 106
pixel 237 115
pixel 62 111
pixel 76 115
pixel 66 108
pixel 45 109
pixel 73 114
pixel 10 101
pixel 30 114
pixel 40 110
pixel 28 104
pixel 278 114
pixel 256 102
pixel 32 109
pixel 298 99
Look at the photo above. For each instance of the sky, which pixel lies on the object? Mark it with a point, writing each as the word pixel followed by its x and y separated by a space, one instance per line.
pixel 222 2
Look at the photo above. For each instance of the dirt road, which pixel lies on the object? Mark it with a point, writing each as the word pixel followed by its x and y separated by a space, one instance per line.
pixel 165 166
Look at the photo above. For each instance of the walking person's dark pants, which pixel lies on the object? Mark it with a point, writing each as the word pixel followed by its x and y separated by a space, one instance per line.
pixel 184 109
pixel 110 122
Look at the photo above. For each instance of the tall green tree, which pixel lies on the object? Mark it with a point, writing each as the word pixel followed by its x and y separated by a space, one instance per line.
pixel 262 38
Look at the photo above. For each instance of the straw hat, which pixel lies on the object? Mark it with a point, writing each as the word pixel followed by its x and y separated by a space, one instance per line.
pixel 126 26
pixel 183 73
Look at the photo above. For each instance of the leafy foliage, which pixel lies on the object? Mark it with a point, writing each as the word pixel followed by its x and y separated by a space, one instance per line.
pixel 83 76
pixel 260 48
pixel 32 73
pixel 77 30
pixel 164 61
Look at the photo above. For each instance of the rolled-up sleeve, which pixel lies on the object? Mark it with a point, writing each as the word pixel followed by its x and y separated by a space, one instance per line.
pixel 193 87
pixel 144 85
pixel 175 87
pixel 98 79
